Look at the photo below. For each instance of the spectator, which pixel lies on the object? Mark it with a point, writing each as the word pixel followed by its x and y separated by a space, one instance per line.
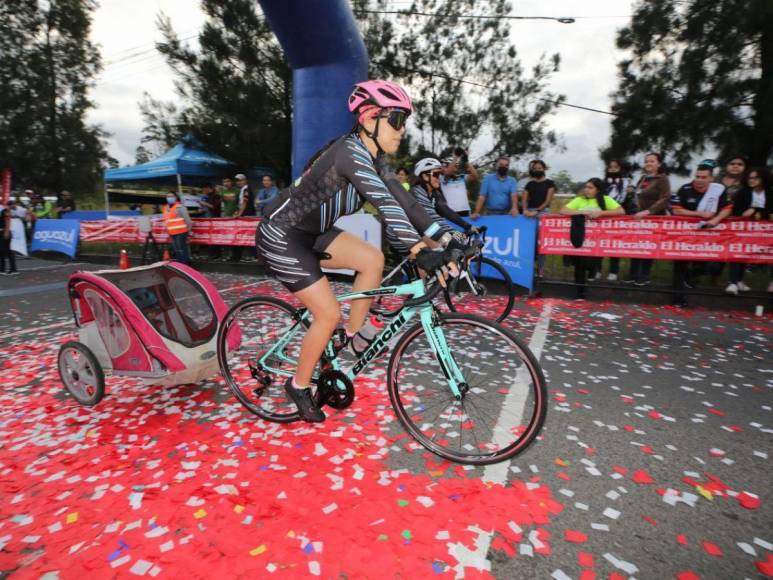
pixel 753 201
pixel 265 195
pixel 402 175
pixel 732 178
pixel 653 192
pixel 230 198
pixel 537 195
pixel 20 211
pixel 178 225
pixel 592 204
pixel 6 235
pixel 246 209
pixel 620 188
pixel 40 207
pixel 458 172
pixel 64 203
pixel 699 198
pixel 499 192
pixel 210 203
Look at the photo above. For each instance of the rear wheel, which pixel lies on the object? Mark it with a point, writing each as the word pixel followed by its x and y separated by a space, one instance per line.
pixel 256 370
pixel 483 288
pixel 504 397
pixel 81 373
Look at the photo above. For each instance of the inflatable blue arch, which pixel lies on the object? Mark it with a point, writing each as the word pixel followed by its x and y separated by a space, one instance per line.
pixel 327 55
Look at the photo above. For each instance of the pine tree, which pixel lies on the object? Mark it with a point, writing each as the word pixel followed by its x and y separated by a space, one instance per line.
pixel 235 89
pixel 46 71
pixel 463 74
pixel 700 74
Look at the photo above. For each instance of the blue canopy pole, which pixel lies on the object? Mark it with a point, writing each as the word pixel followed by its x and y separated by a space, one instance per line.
pixel 327 55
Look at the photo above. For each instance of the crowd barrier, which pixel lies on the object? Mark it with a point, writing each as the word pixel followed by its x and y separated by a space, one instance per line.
pixel 662 238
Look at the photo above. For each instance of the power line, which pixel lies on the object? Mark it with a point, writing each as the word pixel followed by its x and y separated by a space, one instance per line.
pixel 473 83
pixel 561 19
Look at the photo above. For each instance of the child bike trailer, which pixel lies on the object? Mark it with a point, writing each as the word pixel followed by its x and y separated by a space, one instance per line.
pixel 158 323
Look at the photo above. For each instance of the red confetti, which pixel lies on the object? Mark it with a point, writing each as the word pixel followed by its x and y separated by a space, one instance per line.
pixel 712 549
pixel 766 566
pixel 642 477
pixel 585 559
pixel 655 415
pixel 575 536
pixel 748 501
pixel 717 412
pixel 687 575
pixel 650 520
pixel 682 539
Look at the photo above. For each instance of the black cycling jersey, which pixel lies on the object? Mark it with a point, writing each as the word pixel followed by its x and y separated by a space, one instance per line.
pixel 436 207
pixel 299 222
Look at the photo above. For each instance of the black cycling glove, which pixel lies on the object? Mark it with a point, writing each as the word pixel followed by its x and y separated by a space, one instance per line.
pixel 433 260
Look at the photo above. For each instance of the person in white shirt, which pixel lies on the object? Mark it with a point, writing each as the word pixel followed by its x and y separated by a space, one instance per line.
pixel 458 171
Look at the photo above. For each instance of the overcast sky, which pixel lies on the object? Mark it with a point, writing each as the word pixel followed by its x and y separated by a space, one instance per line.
pixel 126 32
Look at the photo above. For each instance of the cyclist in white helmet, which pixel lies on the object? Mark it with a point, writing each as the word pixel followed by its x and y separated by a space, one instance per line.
pixel 429 195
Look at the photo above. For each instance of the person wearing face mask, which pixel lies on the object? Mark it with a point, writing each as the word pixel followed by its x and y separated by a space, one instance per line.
pixel 178 224
pixel 498 192
pixel 699 198
pixel 536 197
pixel 620 188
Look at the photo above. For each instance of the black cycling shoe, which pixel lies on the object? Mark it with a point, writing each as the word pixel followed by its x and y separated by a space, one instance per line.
pixel 305 403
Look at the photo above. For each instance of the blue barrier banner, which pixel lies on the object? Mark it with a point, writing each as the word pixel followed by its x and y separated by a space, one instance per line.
pixel 56 236
pixel 512 242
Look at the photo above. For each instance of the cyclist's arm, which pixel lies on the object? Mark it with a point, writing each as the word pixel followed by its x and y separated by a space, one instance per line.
pixel 355 164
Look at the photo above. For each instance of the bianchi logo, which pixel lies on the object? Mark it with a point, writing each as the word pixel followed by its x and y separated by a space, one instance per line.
pixel 55 236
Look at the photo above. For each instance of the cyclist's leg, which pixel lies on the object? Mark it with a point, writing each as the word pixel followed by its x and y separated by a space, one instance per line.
pixel 349 251
pixel 325 313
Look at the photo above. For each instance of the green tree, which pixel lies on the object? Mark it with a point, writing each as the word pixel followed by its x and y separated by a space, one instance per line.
pixel 699 74
pixel 142 155
pixel 46 70
pixel 463 74
pixel 235 88
pixel 565 183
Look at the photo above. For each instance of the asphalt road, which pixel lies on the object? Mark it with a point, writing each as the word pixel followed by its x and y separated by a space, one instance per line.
pixel 654 461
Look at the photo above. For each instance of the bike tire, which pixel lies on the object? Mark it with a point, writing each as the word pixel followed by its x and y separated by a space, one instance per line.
pixel 459 298
pixel 275 317
pixel 414 372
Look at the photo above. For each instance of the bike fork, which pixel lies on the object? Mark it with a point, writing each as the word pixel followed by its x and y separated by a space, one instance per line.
pixel 443 354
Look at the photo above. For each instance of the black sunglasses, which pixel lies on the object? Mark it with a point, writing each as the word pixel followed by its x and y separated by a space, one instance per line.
pixel 436 174
pixel 396 118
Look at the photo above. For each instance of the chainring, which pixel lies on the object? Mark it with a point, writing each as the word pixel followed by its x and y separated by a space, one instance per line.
pixel 334 389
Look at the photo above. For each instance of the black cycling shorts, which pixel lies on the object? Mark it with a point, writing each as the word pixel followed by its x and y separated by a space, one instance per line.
pixel 292 255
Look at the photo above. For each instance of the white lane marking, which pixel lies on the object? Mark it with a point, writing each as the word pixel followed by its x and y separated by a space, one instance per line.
pixel 497 473
pixel 70 321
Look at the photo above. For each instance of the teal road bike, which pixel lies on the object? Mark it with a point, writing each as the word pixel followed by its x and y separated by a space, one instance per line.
pixel 466 388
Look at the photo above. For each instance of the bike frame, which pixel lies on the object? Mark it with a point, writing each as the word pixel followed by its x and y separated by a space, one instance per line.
pixel 399 319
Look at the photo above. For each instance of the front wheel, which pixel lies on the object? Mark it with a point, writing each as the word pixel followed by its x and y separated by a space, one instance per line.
pixel 504 398
pixel 472 292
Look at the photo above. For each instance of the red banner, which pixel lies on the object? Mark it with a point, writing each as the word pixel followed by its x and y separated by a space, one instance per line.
pixel 206 231
pixel 6 185
pixel 662 238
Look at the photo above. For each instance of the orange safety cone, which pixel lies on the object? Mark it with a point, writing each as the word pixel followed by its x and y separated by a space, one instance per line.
pixel 123 262
pixel 166 257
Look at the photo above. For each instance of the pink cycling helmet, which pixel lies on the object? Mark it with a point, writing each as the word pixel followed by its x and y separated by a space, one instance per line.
pixel 370 96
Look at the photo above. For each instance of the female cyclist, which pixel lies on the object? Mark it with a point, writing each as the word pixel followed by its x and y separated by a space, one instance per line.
pixel 297 237
pixel 429 195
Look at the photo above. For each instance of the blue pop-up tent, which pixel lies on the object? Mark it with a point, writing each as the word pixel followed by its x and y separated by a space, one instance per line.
pixel 185 161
